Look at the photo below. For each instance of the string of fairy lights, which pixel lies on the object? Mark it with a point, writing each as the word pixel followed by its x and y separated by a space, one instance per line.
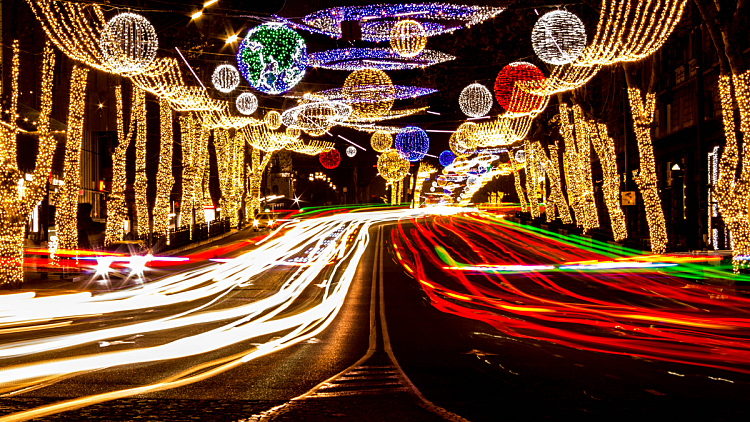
pixel 164 178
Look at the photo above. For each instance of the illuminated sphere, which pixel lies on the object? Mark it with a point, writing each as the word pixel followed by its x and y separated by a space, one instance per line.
pixel 473 181
pixel 462 141
pixel 365 89
pixel 273 58
pixel 330 159
pixel 128 43
pixel 446 158
pixel 520 156
pixel 293 132
pixel 392 166
pixel 519 75
pixel 558 37
pixel 273 120
pixel 408 38
pixel 247 103
pixel 351 151
pixel 475 100
pixel 381 141
pixel 225 78
pixel 412 143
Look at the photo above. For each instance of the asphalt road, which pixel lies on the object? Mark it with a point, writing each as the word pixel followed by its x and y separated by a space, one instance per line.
pixel 391 354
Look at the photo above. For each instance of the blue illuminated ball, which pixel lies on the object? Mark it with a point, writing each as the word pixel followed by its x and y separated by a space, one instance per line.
pixel 412 143
pixel 446 158
pixel 273 58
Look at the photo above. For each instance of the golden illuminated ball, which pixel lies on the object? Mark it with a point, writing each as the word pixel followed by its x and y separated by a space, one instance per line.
pixel 273 120
pixel 392 166
pixel 463 140
pixel 369 92
pixel 381 141
pixel 442 181
pixel 408 38
pixel 293 132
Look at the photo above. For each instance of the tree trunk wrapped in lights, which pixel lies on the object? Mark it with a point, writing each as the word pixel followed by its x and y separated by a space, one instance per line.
pixel 141 179
pixel 577 159
pixel 67 201
pixel 255 176
pixel 230 157
pixel 117 209
pixel 517 180
pixel 191 155
pixel 643 115
pixel 164 178
pixel 552 170
pixel 532 179
pixel 605 149
pixel 16 202
pixel 202 176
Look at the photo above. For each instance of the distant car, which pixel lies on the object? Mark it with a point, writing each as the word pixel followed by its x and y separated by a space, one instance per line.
pixel 264 221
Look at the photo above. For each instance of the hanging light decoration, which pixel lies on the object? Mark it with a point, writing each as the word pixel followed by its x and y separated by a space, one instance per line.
pixel 513 85
pixel 128 43
pixel 558 37
pixel 446 158
pixel 370 92
pixel 273 58
pixel 273 120
pixel 475 100
pixel 381 141
pixel 462 141
pixel 225 78
pixel 330 159
pixel 392 166
pixel 408 38
pixel 247 103
pixel 520 156
pixel 412 143
pixel 351 151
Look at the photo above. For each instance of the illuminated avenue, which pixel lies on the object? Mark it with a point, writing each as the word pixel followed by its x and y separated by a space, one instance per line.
pixel 309 211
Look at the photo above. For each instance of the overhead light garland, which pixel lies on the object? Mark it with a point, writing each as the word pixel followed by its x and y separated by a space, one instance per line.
pixel 66 206
pixel 164 178
pixel 408 38
pixel 352 59
pixel 273 58
pixel 225 78
pixel 377 21
pixel 643 115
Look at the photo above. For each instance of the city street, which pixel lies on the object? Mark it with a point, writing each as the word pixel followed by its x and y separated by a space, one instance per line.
pixel 411 340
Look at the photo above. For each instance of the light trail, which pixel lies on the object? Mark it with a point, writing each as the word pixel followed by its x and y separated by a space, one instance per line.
pixel 328 250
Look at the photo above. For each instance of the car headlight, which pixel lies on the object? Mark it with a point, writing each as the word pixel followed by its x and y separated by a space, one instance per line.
pixel 255 222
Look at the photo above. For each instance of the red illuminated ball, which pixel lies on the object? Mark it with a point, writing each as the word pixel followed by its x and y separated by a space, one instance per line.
pixel 330 159
pixel 522 101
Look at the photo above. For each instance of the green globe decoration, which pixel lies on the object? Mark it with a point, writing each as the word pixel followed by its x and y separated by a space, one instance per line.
pixel 273 58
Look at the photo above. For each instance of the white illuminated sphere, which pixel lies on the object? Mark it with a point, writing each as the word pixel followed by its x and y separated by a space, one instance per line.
pixel 226 78
pixel 475 100
pixel 128 43
pixel 558 37
pixel 520 156
pixel 247 103
pixel 351 152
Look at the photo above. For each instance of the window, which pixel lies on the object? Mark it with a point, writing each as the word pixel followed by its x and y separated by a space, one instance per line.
pixel 679 75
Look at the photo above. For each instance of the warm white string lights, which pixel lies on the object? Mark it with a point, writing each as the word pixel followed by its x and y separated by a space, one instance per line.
pixel 141 179
pixel 247 103
pixel 475 100
pixel 408 38
pixel 558 37
pixel 605 149
pixel 164 178
pixel 225 78
pixel 129 43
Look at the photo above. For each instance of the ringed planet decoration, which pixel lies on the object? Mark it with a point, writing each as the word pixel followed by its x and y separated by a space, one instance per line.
pixel 412 143
pixel 370 91
pixel 330 159
pixel 475 100
pixel 512 84
pixel 381 141
pixel 128 43
pixel 273 58
pixel 225 78
pixel 247 103
pixel 351 59
pixel 351 151
pixel 316 116
pixel 446 158
pixel 408 38
pixel 558 37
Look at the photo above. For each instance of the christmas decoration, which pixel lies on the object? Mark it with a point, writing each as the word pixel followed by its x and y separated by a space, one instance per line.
pixel 446 158
pixel 330 159
pixel 351 151
pixel 412 143
pixel 273 58
pixel 352 59
pixel 392 166
pixel 558 37
pixel 128 43
pixel 512 87
pixel 475 100
pixel 247 103
pixel 225 78
pixel 381 141
pixel 408 38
